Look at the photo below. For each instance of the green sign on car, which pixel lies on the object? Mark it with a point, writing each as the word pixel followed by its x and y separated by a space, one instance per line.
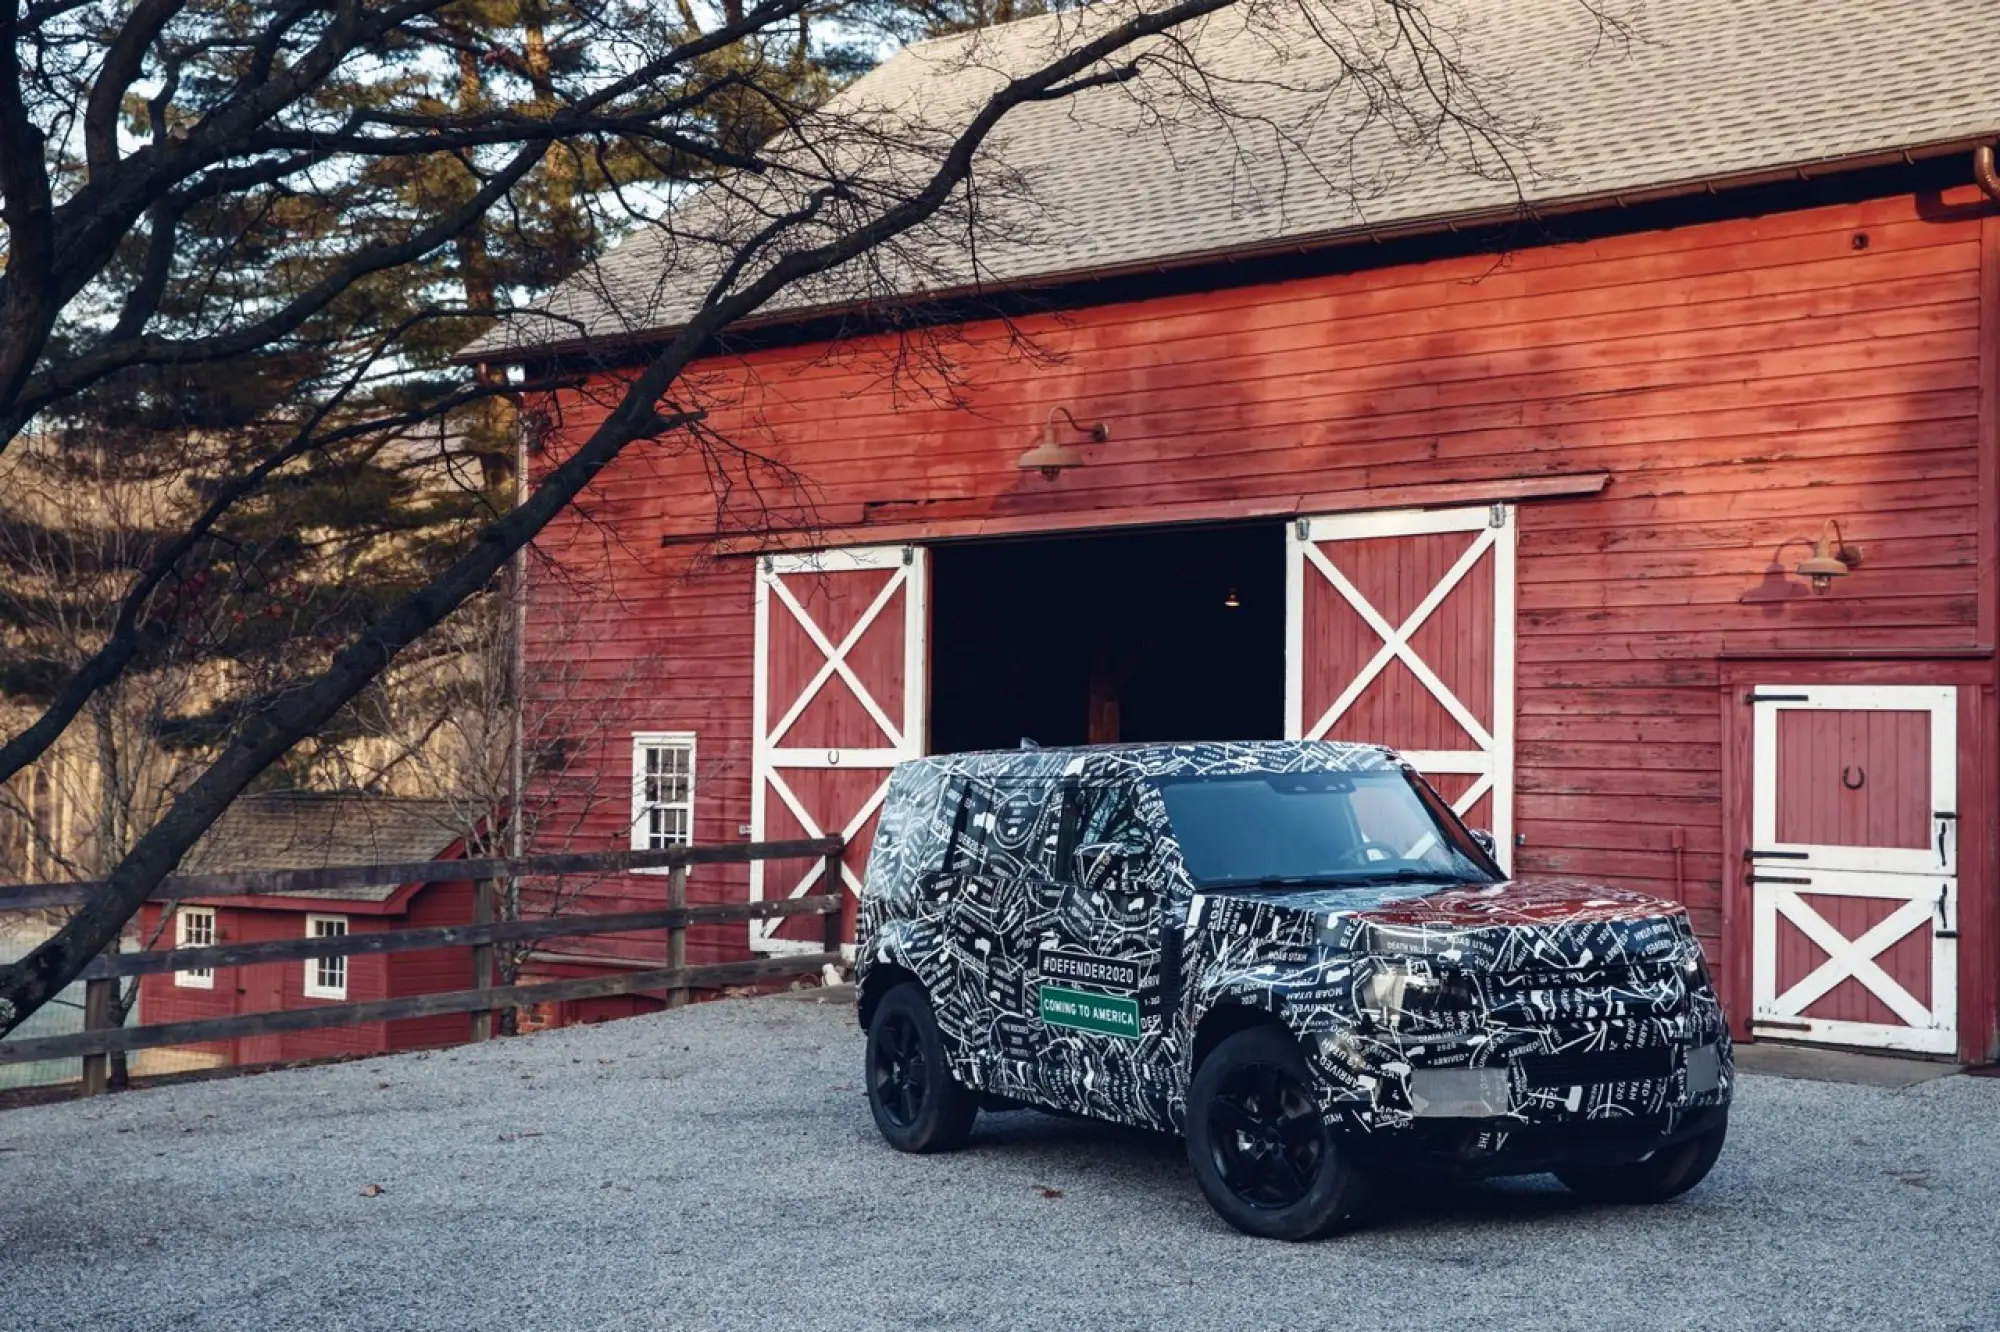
pixel 1105 1015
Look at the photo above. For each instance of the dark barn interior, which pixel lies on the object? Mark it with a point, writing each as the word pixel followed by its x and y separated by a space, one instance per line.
pixel 1166 634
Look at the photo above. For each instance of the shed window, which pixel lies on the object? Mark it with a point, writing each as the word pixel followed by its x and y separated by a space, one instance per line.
pixel 194 927
pixel 326 977
pixel 662 790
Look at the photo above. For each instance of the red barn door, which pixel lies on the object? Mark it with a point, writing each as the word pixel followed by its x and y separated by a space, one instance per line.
pixel 1400 631
pixel 838 701
pixel 1854 865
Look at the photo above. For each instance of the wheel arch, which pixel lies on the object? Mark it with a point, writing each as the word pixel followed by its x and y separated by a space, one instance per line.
pixel 876 982
pixel 1226 1020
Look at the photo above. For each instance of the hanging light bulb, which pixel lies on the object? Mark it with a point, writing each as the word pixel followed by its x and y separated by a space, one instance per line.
pixel 1231 601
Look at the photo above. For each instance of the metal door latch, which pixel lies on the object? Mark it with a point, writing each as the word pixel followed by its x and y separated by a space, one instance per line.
pixel 1945 913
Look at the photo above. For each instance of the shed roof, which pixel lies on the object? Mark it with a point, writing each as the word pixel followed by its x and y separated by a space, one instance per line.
pixel 1702 91
pixel 290 830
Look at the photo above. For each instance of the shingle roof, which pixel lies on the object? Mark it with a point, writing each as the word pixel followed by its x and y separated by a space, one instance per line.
pixel 314 830
pixel 1701 90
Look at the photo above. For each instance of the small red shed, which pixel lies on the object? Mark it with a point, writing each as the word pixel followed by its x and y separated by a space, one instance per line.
pixel 1650 501
pixel 313 830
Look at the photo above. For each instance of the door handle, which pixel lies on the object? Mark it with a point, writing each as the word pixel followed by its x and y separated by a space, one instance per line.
pixel 1945 820
pixel 1943 929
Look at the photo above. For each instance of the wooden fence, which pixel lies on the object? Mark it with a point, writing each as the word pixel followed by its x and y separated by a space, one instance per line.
pixel 98 1038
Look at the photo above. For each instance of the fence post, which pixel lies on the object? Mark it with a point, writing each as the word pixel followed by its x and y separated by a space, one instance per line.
pixel 482 956
pixel 97 999
pixel 677 935
pixel 835 921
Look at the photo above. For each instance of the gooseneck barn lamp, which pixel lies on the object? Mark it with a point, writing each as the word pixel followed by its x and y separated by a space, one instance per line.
pixel 1050 458
pixel 1832 557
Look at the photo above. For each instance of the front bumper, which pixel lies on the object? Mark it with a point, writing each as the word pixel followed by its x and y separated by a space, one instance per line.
pixel 1562 1082
pixel 1531 1112
pixel 1483 1148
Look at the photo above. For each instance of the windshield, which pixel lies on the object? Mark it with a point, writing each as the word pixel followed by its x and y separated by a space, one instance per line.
pixel 1269 828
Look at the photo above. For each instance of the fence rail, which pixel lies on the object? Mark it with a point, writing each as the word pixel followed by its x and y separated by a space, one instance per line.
pixel 676 979
pixel 279 883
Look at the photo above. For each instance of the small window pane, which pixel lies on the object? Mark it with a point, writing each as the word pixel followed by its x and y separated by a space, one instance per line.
pixel 194 927
pixel 663 792
pixel 326 977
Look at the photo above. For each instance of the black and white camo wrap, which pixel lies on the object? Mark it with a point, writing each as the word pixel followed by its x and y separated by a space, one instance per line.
pixel 1385 987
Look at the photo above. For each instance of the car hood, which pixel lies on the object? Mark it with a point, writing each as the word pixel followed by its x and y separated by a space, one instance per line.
pixel 1521 925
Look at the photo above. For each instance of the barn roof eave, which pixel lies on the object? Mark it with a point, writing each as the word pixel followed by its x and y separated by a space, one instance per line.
pixel 1598 202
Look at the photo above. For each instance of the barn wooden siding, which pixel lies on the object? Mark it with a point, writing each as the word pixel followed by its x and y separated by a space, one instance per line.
pixel 1739 381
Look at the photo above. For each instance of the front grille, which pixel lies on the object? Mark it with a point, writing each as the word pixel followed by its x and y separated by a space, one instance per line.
pixel 1591 1067
pixel 1609 975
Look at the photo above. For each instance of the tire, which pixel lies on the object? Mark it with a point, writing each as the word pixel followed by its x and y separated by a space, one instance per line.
pixel 1666 1174
pixel 918 1105
pixel 1263 1156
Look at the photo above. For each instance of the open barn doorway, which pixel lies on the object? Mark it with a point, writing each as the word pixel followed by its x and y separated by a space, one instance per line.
pixel 1160 635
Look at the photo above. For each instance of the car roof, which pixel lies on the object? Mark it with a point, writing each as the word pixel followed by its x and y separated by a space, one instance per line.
pixel 1127 761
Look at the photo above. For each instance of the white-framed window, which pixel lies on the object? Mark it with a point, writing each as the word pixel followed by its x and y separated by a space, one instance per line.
pixel 662 790
pixel 326 977
pixel 194 927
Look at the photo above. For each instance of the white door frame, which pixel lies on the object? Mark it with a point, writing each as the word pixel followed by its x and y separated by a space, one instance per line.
pixel 1489 757
pixel 1782 874
pixel 770 758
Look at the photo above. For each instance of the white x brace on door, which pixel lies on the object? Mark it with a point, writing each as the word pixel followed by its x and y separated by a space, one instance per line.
pixel 1853 865
pixel 1400 631
pixel 837 701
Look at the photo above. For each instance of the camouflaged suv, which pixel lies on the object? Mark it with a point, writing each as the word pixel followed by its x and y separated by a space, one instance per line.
pixel 1291 952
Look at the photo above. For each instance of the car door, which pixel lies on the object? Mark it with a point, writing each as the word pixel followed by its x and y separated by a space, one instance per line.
pixel 1099 1016
pixel 997 861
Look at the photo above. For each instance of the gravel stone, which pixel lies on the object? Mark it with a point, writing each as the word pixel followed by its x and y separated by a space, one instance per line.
pixel 716 1168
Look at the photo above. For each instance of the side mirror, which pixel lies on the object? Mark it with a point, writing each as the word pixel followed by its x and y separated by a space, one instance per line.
pixel 1105 864
pixel 1486 843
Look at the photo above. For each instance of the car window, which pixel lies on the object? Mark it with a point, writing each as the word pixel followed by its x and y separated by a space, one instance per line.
pixel 1385 815
pixel 1004 829
pixel 1097 817
pixel 1303 828
pixel 1101 852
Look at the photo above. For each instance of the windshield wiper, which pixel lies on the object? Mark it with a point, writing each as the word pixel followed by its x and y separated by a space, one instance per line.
pixel 1342 879
pixel 1410 875
pixel 1272 881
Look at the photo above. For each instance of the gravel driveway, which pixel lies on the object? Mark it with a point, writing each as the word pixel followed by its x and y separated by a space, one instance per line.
pixel 716 1168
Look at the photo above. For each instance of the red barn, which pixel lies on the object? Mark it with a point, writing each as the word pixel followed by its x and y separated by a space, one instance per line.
pixel 311 830
pixel 1657 522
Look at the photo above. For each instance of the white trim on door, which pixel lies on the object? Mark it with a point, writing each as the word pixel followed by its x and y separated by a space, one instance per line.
pixel 1923 881
pixel 1489 757
pixel 771 758
pixel 1941 701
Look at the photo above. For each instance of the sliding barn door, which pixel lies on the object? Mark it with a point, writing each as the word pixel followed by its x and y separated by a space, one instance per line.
pixel 1400 631
pixel 838 701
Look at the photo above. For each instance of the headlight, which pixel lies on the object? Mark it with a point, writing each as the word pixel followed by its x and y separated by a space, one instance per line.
pixel 1695 968
pixel 1402 998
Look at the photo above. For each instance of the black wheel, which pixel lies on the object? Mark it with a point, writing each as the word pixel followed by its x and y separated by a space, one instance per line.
pixel 918 1105
pixel 1667 1173
pixel 1259 1148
